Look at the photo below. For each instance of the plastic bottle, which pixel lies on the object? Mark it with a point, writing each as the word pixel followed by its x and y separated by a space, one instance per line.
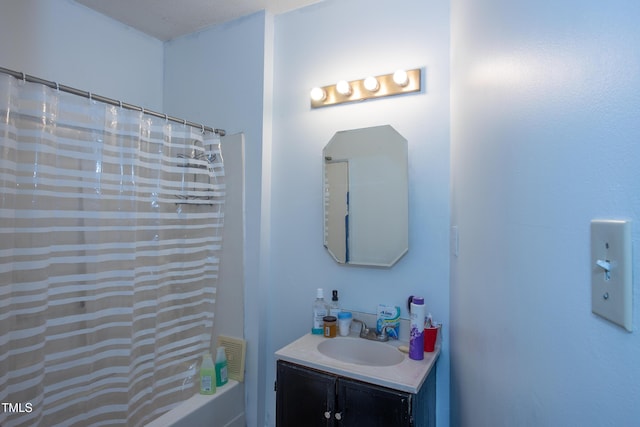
pixel 189 383
pixel 334 305
pixel 221 367
pixel 207 375
pixel 319 311
pixel 416 340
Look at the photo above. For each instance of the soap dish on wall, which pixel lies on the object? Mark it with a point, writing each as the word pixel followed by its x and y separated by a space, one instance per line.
pixel 235 350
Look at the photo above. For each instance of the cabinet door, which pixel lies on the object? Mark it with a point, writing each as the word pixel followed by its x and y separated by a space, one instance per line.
pixel 304 397
pixel 362 404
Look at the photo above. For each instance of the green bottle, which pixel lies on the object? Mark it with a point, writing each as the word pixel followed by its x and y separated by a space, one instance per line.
pixel 221 367
pixel 207 375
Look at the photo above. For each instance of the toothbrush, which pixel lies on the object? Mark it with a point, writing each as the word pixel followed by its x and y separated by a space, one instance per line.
pixel 429 321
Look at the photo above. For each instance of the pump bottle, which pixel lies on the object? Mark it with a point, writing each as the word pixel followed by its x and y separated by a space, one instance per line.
pixel 334 306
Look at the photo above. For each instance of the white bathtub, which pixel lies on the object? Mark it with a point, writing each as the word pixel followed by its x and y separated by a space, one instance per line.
pixel 225 408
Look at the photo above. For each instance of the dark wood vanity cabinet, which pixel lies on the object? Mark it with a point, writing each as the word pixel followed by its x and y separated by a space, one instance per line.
pixel 308 397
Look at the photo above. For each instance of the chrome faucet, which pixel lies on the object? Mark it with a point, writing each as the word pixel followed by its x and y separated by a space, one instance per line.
pixel 363 327
pixel 371 334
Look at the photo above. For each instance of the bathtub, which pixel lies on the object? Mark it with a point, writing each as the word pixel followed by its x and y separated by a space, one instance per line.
pixel 225 408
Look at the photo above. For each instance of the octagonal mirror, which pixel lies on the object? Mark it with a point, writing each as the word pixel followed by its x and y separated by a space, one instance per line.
pixel 366 207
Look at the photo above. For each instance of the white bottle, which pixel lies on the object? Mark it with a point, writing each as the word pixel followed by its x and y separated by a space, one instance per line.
pixel 334 305
pixel 319 311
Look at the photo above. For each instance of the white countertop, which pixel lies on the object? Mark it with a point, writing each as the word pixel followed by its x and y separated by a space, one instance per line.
pixel 407 375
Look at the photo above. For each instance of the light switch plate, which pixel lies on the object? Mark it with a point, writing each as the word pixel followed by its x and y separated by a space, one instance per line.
pixel 611 271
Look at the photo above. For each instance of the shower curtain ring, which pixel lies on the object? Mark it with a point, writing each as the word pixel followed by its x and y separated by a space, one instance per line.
pixel 202 128
pixel 120 103
pixel 57 86
pixel 24 77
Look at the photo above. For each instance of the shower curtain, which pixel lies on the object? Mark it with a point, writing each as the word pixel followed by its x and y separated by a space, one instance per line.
pixel 110 234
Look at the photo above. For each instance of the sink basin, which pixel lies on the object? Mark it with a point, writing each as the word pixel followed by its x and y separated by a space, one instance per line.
pixel 360 351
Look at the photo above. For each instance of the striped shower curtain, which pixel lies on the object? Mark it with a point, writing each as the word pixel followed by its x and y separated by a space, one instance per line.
pixel 110 235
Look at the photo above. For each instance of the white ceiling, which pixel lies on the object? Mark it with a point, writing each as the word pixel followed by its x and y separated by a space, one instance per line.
pixel 168 19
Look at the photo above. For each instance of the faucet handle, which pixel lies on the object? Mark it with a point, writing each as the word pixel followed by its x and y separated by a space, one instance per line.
pixel 384 336
pixel 364 331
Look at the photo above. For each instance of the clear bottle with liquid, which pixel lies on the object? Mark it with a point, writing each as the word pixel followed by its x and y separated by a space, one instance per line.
pixel 189 385
pixel 319 311
pixel 334 305
pixel 221 367
pixel 207 375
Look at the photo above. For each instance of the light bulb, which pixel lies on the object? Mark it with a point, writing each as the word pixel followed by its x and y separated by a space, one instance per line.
pixel 318 94
pixel 371 84
pixel 401 78
pixel 343 87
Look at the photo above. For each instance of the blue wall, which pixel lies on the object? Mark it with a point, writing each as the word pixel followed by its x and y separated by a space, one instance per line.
pixel 217 76
pixel 543 138
pixel 254 75
pixel 317 46
pixel 75 46
pixel 545 132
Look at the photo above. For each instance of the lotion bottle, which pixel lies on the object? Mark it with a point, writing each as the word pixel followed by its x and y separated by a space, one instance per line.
pixel 319 311
pixel 221 367
pixel 416 340
pixel 207 375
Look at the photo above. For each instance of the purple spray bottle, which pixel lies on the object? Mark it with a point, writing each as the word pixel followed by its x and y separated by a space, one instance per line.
pixel 416 341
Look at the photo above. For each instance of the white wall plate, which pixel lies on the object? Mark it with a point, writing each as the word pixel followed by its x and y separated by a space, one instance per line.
pixel 611 271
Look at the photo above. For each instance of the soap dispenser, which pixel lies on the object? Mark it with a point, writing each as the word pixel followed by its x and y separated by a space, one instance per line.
pixel 334 306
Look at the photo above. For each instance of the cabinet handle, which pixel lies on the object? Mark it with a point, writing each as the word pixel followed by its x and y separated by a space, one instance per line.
pixel 327 415
pixel 338 416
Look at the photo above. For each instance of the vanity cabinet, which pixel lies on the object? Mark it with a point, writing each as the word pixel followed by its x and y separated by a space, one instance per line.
pixel 309 397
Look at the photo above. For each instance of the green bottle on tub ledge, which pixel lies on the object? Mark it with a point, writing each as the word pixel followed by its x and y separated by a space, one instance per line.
pixel 207 375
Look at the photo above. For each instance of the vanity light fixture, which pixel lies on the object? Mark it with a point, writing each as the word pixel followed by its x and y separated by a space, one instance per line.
pixel 402 81
pixel 401 78
pixel 344 88
pixel 371 84
pixel 318 94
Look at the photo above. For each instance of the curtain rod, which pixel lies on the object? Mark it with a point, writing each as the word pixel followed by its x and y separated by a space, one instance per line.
pixel 89 95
